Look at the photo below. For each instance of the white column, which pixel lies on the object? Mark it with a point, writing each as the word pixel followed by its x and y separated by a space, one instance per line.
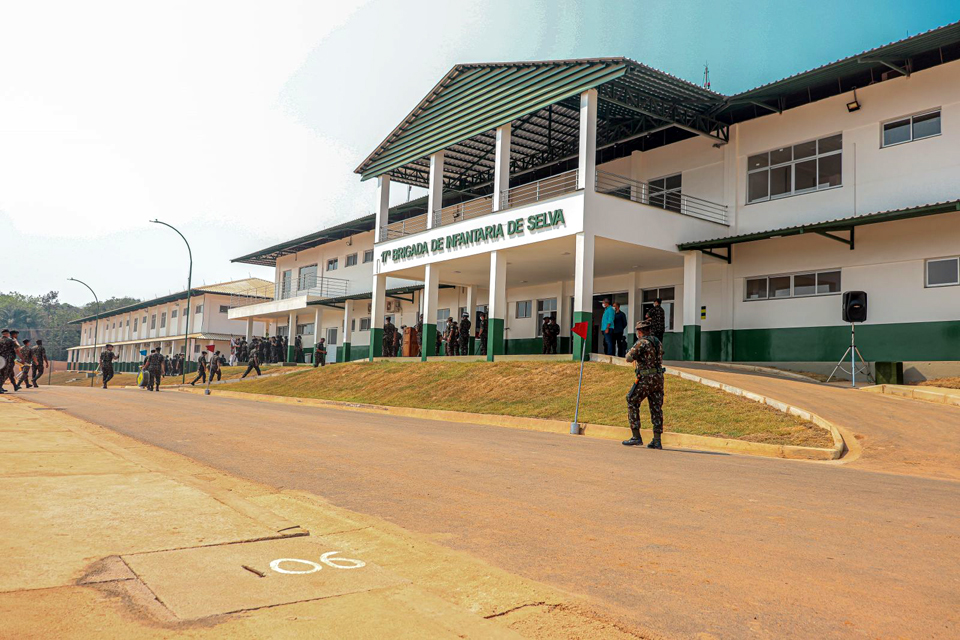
pixel 431 300
pixel 472 304
pixel 583 290
pixel 586 179
pixel 692 281
pixel 501 172
pixel 347 317
pixel 317 322
pixel 291 336
pixel 249 332
pixel 562 320
pixel 377 309
pixel 435 192
pixel 383 207
pixel 497 309
pixel 633 301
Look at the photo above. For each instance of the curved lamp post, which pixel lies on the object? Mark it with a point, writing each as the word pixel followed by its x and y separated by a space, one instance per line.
pixel 96 324
pixel 186 332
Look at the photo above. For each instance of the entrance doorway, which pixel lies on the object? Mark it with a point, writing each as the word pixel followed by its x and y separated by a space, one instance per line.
pixel 622 297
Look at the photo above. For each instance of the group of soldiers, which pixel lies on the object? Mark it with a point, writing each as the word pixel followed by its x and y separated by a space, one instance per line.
pixel 30 358
pixel 269 350
pixel 454 337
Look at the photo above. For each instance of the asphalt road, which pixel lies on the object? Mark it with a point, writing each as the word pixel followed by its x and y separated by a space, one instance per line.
pixel 691 544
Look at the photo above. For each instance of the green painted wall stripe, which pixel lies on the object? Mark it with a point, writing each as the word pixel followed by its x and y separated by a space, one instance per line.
pixel 582 316
pixel 429 340
pixel 495 338
pixel 376 343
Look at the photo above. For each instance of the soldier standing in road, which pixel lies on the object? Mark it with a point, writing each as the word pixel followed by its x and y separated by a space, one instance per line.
pixel 464 333
pixel 7 354
pixel 253 363
pixel 657 317
pixel 319 354
pixel 41 361
pixel 481 334
pixel 26 362
pixel 647 356
pixel 201 368
pixel 106 364
pixel 155 367
pixel 215 366
pixel 389 338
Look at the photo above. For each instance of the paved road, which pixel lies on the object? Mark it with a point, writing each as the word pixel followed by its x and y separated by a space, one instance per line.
pixel 897 434
pixel 686 543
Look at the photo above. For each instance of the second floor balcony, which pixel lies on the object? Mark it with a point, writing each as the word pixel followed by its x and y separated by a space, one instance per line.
pixel 312 286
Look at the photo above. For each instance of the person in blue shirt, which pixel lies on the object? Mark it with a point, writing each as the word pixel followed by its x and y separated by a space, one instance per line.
pixel 607 329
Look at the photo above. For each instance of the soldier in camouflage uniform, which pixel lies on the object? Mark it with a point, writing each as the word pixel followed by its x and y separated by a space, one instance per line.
pixel 481 334
pixel 201 368
pixel 647 356
pixel 155 368
pixel 253 362
pixel 27 360
pixel 106 364
pixel 215 363
pixel 6 359
pixel 658 319
pixel 389 341
pixel 464 332
pixel 319 354
pixel 41 363
pixel 419 337
pixel 450 338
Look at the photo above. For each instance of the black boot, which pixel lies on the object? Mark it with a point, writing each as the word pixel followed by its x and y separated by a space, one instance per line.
pixel 655 443
pixel 635 441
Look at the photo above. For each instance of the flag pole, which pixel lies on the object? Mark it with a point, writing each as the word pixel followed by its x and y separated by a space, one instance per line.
pixel 575 425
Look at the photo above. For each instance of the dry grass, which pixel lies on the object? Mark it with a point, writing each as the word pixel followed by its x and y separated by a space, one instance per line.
pixel 79 379
pixel 943 383
pixel 541 390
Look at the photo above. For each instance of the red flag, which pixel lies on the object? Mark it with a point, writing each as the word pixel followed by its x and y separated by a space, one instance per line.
pixel 211 348
pixel 580 329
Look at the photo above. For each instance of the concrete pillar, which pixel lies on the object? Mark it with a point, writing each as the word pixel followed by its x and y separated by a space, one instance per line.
pixel 344 355
pixel 431 300
pixel 472 312
pixel 497 309
pixel 383 207
pixel 727 303
pixel 501 172
pixel 586 178
pixel 692 280
pixel 249 333
pixel 435 191
pixel 377 309
pixel 633 301
pixel 583 291
pixel 291 336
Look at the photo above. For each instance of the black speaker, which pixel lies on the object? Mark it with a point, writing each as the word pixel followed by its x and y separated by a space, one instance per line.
pixel 855 306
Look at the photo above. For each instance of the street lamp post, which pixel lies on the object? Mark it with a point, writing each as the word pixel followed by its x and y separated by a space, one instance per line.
pixel 96 324
pixel 186 332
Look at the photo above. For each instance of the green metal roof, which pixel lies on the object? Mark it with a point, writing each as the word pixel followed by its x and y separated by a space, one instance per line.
pixel 461 112
pixel 840 224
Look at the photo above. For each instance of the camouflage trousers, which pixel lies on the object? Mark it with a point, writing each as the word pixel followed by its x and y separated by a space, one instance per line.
pixel 651 388
pixel 464 345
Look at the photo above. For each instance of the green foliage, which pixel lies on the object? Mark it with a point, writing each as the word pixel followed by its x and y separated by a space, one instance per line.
pixel 46 317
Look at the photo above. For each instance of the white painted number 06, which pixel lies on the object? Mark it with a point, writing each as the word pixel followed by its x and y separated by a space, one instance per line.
pixel 313 567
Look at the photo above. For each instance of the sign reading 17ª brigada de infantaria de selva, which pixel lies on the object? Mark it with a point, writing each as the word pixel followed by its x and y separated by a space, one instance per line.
pixel 487 233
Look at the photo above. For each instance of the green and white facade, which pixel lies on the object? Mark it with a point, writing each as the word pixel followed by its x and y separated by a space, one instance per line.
pixel 551 185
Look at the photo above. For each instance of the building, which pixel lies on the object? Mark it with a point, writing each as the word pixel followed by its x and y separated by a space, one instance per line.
pixel 162 322
pixel 553 185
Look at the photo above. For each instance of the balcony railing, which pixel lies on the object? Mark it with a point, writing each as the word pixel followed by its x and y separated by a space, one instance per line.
pixel 317 286
pixel 516 197
pixel 671 200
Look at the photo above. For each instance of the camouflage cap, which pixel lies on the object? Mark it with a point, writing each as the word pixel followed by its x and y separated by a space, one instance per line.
pixel 643 324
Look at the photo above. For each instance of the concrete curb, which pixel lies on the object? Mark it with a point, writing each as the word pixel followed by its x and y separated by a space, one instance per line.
pixel 607 432
pixel 938 395
pixel 768 370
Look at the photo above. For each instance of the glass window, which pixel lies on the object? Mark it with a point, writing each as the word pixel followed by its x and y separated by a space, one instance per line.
pixel 805 150
pixel 758 186
pixel 805 174
pixel 804 284
pixel 779 287
pixel 134 325
pixel 666 192
pixel 173 314
pixel 830 144
pixel 163 320
pixel 352 260
pixel 804 167
pixel 780 156
pixel 305 329
pixel 926 125
pixel 829 171
pixel 524 307
pixel 780 181
pixel 224 308
pixel 364 324
pixel 828 282
pixel 756 289
pixel 545 308
pixel 442 315
pixel 332 335
pixel 666 295
pixel 332 264
pixel 153 321
pixel 198 309
pixel 758 162
pixel 368 255
pixel 307 277
pixel 896 132
pixel 943 272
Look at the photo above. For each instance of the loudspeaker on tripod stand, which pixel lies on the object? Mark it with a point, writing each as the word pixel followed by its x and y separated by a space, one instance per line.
pixel 853 309
pixel 854 306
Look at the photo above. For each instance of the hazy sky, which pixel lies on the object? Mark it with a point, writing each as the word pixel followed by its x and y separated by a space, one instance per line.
pixel 241 122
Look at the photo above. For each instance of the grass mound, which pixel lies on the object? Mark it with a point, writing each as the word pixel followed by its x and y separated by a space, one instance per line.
pixel 541 390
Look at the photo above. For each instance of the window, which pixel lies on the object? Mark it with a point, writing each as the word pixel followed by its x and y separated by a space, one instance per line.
pixel 460 312
pixel 331 335
pixel 286 283
pixel 368 256
pixel 797 285
pixel 198 309
pixel 134 325
pixel 351 260
pixel 173 314
pixel 665 192
pixel 305 329
pixel 332 264
pixel 524 308
pixel 943 272
pixel 153 321
pixel 307 278
pixel 545 308
pixel 364 324
pixel 442 315
pixel 224 308
pixel 667 296
pixel 923 125
pixel 163 319
pixel 801 168
pixel 196 348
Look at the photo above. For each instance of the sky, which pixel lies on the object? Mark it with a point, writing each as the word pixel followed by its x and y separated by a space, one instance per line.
pixel 241 122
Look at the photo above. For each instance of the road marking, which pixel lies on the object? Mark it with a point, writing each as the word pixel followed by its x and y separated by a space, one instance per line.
pixel 326 558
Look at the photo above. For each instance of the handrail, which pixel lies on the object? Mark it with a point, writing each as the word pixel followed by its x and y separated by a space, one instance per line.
pixel 316 285
pixel 643 193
